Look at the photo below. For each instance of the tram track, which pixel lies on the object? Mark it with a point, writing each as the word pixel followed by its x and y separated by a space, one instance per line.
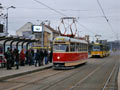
pixel 109 84
pixel 57 77
pixel 32 81
pixel 90 74
pixel 35 81
pixel 109 78
pixel 47 88
pixel 78 83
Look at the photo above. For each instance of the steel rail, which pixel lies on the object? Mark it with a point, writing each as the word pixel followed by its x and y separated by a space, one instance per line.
pixel 19 86
pixel 77 84
pixel 25 84
pixel 107 81
pixel 45 88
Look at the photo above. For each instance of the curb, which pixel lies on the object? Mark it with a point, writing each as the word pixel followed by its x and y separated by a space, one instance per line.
pixel 23 73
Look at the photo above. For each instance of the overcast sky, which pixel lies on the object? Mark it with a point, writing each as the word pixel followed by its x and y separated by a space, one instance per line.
pixel 91 20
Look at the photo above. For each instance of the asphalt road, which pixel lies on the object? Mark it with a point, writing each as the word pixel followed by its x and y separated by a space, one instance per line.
pixel 96 74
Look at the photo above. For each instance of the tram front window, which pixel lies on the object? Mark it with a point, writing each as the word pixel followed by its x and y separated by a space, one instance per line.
pixel 60 48
pixel 96 48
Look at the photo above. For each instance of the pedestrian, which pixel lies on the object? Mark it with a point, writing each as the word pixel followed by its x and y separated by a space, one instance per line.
pixel 17 58
pixel 26 55
pixel 32 52
pixel 46 56
pixel 22 58
pixel 8 58
pixel 41 57
pixel 29 57
pixel 12 57
pixel 37 58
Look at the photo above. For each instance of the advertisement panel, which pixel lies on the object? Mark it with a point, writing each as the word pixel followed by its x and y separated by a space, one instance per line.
pixel 37 28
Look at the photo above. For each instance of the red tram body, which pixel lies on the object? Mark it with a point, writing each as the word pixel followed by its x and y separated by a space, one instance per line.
pixel 69 52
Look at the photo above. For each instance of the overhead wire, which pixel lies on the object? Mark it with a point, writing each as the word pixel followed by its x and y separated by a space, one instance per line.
pixel 55 9
pixel 89 30
pixel 50 8
pixel 81 25
pixel 107 20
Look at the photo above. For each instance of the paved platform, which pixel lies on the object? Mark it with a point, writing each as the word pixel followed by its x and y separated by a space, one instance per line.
pixel 6 74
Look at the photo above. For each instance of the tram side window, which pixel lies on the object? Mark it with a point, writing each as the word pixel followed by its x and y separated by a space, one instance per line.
pixel 80 46
pixel 84 47
pixel 72 47
pixel 77 47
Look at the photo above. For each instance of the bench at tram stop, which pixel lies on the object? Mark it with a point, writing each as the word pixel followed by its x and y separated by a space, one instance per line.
pixel 2 61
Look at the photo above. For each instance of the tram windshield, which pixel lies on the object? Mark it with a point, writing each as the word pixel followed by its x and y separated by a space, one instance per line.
pixel 96 48
pixel 60 48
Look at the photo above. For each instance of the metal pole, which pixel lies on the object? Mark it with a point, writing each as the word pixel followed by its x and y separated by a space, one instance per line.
pixel 42 34
pixel 7 19
pixel 6 33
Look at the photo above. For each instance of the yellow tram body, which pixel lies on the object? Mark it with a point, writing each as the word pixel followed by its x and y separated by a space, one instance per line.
pixel 100 50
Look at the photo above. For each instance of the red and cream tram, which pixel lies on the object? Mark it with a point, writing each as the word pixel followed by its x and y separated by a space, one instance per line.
pixel 69 52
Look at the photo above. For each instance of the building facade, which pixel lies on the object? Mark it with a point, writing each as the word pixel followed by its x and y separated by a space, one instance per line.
pixel 48 35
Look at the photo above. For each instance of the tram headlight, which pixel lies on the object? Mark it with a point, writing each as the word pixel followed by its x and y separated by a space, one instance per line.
pixel 58 57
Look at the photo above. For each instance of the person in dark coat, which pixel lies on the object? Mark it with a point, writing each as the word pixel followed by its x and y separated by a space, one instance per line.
pixel 46 56
pixel 29 57
pixel 12 57
pixel 41 57
pixel 17 58
pixel 37 58
pixel 8 58
pixel 32 52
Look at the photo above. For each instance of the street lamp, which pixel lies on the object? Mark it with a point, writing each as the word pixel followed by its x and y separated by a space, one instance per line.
pixel 7 19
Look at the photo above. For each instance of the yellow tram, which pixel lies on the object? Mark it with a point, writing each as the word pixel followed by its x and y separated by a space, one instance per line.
pixel 101 50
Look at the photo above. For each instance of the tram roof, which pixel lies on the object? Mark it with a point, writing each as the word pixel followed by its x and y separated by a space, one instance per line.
pixel 63 38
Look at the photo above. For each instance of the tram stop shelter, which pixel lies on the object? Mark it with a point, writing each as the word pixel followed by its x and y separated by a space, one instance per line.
pixel 15 42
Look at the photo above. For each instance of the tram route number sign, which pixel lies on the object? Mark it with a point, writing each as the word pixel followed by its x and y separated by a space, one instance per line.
pixel 59 39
